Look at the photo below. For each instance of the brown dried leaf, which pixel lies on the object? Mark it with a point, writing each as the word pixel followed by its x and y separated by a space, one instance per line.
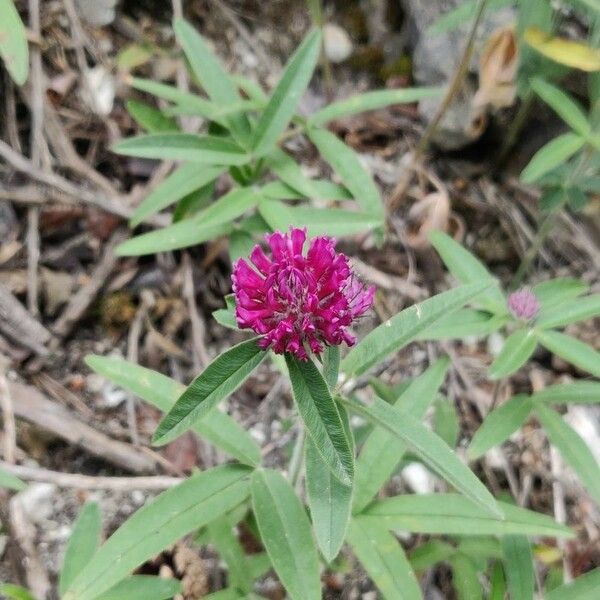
pixel 429 214
pixel 497 70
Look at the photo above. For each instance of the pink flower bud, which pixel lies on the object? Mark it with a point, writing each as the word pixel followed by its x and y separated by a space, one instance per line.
pixel 523 304
pixel 296 301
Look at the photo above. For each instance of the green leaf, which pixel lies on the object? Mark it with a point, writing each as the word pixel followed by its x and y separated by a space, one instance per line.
pixel 330 503
pixel 10 482
pixel 211 223
pixel 286 95
pixel 371 101
pixel 323 189
pixel 554 292
pixel 231 551
pixel 143 587
pixel 464 578
pixel 183 146
pixel 285 532
pixel 429 448
pixel 404 327
pixel 218 380
pixel 241 245
pixel 321 417
pixel 578 392
pixel 211 75
pixel 384 560
pixel 171 515
pixel 289 171
pixel 550 156
pixel 458 16
pixel 579 309
pixel 13 42
pixel 15 592
pixel 445 421
pixel 318 221
pixel 331 365
pixel 497 583
pixel 572 448
pixel 500 424
pixel 568 348
pixel 468 269
pixel 345 163
pixel 149 118
pixel 466 322
pixel 183 181
pixel 83 543
pixel 162 392
pixel 191 102
pixel 430 553
pixel 517 350
pixel 566 108
pixel 225 594
pixel 518 560
pixel 584 587
pixel 382 451
pixel 453 514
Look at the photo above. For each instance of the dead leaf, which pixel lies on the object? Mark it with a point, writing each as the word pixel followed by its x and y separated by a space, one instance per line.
pixel 56 287
pixel 498 70
pixel 431 213
pixel 563 51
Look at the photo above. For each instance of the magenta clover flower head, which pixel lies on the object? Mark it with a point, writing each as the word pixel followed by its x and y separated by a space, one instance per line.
pixel 297 301
pixel 523 304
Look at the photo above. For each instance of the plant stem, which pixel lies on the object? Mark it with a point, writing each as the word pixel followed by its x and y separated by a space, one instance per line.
pixel 295 465
pixel 453 89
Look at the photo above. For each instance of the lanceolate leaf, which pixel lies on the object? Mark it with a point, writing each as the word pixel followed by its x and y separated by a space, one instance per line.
pixel 150 118
pixel 384 560
pixel 211 75
pixel 578 392
pixel 468 269
pixel 404 327
pixel 323 221
pixel 558 291
pixel 518 559
pixel 572 350
pixel 346 164
pixel 13 42
pixel 518 348
pixel 500 424
pixel 463 323
pixel 285 532
pixel 584 587
pixel 464 578
pixel 289 171
pixel 183 181
pixel 382 450
pixel 220 379
pixel 330 502
pixel 83 543
pixel 572 448
pixel 143 587
pixel 371 101
pixel 453 514
pixel 553 154
pixel 321 417
pixel 161 391
pixel 192 504
pixel 183 146
pixel 578 309
pixel 286 95
pixel 563 104
pixel 15 592
pixel 430 448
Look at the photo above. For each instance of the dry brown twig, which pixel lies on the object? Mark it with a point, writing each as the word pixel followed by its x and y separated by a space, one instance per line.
pixel 87 482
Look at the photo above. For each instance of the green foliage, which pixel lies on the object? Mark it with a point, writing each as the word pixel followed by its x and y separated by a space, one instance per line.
pixel 13 42
pixel 249 145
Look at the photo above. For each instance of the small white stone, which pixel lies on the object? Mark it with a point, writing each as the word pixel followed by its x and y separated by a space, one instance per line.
pixel 337 43
pixel 418 478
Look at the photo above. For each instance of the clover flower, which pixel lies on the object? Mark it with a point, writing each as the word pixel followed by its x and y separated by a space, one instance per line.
pixel 296 301
pixel 523 304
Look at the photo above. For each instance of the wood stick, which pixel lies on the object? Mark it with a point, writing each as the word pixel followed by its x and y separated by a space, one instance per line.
pixel 88 482
pixel 33 406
